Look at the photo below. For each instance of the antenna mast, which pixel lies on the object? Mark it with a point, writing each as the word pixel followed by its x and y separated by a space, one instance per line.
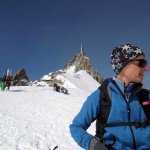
pixel 81 48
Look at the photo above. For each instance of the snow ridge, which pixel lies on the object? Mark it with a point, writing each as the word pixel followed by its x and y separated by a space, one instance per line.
pixel 38 118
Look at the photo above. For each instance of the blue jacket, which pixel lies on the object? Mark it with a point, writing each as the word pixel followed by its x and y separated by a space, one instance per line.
pixel 118 113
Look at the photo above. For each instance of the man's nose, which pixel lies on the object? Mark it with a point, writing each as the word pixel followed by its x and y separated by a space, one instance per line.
pixel 146 68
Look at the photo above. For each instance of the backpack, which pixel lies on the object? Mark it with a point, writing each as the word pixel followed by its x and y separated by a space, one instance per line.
pixel 105 105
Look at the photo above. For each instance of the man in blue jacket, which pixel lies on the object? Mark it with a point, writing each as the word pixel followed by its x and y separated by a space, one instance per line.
pixel 129 65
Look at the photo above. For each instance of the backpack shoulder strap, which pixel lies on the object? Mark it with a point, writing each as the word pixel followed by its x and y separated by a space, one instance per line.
pixel 105 100
pixel 105 105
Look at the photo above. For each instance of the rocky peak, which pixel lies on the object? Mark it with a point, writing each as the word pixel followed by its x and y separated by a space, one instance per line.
pixel 20 78
pixel 81 62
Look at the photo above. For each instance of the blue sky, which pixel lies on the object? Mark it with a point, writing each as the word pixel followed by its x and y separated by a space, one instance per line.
pixel 43 35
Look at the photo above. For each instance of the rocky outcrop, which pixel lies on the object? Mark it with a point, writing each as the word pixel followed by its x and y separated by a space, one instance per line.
pixel 20 78
pixel 51 78
pixel 81 62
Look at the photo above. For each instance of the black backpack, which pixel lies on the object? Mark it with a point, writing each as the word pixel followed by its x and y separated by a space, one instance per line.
pixel 105 105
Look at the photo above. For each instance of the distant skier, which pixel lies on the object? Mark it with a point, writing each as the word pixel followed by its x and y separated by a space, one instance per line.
pixel 8 82
pixel 8 78
pixel 64 90
pixel 60 88
pixel 56 88
pixel 3 82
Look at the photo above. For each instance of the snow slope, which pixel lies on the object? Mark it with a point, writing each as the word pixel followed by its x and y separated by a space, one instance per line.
pixel 38 118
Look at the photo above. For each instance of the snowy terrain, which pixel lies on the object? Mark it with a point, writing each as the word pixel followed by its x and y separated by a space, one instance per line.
pixel 38 118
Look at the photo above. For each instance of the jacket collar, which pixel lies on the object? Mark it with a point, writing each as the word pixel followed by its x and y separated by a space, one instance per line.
pixel 132 87
pixel 122 87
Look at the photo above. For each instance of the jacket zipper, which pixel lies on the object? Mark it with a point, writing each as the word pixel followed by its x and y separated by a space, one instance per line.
pixel 129 120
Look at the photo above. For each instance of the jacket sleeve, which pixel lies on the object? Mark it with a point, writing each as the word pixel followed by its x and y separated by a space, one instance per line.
pixel 83 120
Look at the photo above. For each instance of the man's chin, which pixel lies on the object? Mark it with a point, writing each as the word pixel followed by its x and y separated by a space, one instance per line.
pixel 140 80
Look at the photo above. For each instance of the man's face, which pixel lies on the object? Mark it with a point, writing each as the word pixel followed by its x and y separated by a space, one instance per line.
pixel 134 71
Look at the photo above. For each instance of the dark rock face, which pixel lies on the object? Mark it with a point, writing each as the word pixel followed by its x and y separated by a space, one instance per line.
pixel 20 78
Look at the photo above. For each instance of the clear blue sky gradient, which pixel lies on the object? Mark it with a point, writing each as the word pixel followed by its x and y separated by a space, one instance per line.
pixel 43 35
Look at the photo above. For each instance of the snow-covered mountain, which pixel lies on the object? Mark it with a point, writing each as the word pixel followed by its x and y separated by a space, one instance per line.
pixel 80 63
pixel 38 118
pixel 71 79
